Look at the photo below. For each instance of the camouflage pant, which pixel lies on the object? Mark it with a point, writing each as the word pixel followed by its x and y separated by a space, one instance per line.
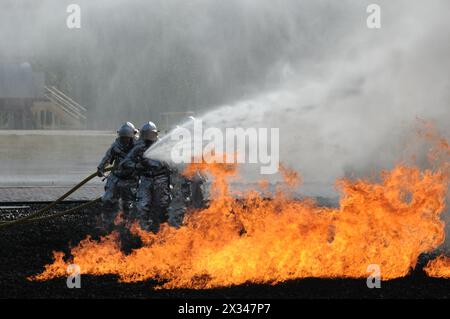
pixel 153 199
pixel 119 195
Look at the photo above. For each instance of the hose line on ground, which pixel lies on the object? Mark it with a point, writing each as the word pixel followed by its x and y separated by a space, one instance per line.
pixel 65 212
pixel 35 216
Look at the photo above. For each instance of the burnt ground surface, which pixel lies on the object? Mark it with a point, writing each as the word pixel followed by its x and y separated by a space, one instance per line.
pixel 25 249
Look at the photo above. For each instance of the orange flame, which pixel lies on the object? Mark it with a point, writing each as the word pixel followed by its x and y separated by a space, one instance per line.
pixel 440 267
pixel 389 223
pixel 233 242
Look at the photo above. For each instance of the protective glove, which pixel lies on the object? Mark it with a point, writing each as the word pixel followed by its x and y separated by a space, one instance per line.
pixel 100 172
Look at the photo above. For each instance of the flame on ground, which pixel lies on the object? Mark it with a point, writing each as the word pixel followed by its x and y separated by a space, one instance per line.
pixel 389 222
pixel 440 267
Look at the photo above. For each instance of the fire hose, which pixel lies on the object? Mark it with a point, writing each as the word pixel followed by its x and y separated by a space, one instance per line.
pixel 37 216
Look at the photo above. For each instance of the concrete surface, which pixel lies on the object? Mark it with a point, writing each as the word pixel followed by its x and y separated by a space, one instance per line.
pixel 47 193
pixel 50 158
pixel 40 165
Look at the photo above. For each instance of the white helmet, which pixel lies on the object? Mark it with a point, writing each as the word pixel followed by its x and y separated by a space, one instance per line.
pixel 129 124
pixel 126 131
pixel 149 132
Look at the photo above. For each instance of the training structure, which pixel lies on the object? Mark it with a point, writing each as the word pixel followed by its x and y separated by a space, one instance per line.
pixel 27 103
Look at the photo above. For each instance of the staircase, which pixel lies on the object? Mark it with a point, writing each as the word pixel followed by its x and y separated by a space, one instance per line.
pixel 59 111
pixel 70 110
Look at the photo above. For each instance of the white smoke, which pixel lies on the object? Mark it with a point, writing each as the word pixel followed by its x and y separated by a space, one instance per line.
pixel 352 112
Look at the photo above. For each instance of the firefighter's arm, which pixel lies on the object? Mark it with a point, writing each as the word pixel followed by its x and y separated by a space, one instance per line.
pixel 105 161
pixel 131 160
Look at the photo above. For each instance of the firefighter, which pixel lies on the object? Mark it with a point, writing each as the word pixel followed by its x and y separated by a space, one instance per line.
pixel 153 194
pixel 181 197
pixel 187 192
pixel 121 184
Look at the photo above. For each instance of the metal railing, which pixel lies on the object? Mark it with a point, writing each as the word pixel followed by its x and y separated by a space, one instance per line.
pixel 65 103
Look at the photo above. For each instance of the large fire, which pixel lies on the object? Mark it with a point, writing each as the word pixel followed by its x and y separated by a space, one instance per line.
pixel 388 222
